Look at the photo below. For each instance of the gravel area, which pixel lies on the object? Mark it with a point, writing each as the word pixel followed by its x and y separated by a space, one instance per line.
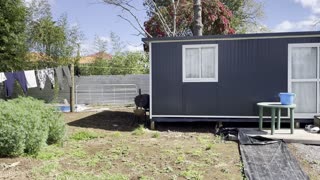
pixel 309 153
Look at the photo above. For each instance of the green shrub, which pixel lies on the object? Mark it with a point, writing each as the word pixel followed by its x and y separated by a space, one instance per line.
pixel 12 135
pixel 26 125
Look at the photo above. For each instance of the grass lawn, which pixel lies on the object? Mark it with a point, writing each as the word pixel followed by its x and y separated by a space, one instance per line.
pixel 110 145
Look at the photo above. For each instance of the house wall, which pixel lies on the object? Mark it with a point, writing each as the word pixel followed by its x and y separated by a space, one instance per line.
pixel 250 71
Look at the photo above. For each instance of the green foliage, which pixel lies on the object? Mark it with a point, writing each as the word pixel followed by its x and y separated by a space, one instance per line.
pixel 139 131
pixel 26 125
pixel 120 64
pixel 84 135
pixel 247 14
pixel 192 174
pixel 50 153
pixel 54 40
pixel 12 34
pixel 156 135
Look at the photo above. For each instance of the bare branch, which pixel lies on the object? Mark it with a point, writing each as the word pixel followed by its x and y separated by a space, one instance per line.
pixel 161 18
pixel 121 4
pixel 175 7
pixel 140 33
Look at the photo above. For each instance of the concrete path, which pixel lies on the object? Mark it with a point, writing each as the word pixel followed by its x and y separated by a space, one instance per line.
pixel 299 136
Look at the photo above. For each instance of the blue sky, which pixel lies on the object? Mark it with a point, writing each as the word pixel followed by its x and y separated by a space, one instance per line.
pixel 96 18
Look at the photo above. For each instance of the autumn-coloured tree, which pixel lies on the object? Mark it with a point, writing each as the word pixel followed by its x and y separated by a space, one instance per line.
pixel 216 18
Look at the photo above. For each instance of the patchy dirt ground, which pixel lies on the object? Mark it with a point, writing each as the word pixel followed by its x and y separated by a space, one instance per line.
pixel 111 145
pixel 309 158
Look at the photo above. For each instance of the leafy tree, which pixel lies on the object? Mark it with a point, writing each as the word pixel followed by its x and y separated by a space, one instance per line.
pixel 55 41
pixel 100 44
pixel 12 34
pixel 247 14
pixel 215 15
pixel 116 43
pixel 121 63
pixel 68 52
pixel 47 38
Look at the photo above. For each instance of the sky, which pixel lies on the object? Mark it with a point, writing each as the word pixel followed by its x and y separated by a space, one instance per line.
pixel 96 18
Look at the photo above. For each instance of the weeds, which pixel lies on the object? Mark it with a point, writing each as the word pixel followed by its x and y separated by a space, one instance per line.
pixel 95 160
pixel 46 169
pixel 145 178
pixel 197 153
pixel 84 135
pixel 78 176
pixel 191 174
pixel 116 134
pixel 109 176
pixel 139 131
pixel 155 135
pixel 180 159
pixel 78 153
pixel 209 146
pixel 50 153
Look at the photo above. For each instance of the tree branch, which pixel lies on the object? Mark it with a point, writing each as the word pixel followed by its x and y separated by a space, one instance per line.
pixel 119 3
pixel 140 33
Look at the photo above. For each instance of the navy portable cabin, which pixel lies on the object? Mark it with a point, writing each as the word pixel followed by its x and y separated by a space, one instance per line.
pixel 224 76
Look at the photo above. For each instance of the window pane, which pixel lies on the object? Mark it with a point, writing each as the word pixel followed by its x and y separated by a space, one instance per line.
pixel 208 62
pixel 304 63
pixel 192 63
pixel 306 96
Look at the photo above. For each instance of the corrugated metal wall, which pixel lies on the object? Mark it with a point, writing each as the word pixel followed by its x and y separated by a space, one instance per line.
pixel 249 71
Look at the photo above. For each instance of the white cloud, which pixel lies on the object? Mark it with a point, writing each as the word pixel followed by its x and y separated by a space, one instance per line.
pixel 308 24
pixel 134 48
pixel 105 38
pixel 314 5
pixel 87 48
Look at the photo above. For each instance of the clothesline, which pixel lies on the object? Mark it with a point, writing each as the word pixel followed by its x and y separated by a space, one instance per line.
pixel 28 78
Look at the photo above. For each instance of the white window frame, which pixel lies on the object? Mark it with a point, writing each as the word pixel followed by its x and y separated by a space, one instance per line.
pixel 199 46
pixel 316 80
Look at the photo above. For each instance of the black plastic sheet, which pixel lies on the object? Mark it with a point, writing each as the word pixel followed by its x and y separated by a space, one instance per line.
pixel 266 159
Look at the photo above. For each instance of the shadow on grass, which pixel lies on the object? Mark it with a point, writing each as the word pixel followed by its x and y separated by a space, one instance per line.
pixel 125 121
pixel 108 120
pixel 199 127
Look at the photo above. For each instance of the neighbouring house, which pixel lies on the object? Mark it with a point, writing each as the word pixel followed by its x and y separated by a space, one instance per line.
pixel 222 77
pixel 89 59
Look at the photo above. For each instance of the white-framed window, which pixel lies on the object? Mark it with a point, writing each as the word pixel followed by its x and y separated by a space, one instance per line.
pixel 200 63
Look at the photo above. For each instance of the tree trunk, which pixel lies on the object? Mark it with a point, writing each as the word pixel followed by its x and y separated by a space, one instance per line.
pixel 198 26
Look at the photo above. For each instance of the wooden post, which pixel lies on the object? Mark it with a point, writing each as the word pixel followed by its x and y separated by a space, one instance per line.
pixel 72 104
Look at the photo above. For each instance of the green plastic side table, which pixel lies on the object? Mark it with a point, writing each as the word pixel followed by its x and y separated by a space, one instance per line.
pixel 276 107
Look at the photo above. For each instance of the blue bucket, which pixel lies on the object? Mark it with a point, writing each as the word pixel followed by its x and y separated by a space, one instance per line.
pixel 286 98
pixel 64 108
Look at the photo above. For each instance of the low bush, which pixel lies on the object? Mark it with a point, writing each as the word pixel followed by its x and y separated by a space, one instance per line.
pixel 26 125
